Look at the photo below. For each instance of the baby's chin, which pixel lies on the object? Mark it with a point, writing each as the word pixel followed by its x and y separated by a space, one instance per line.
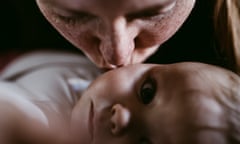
pixel 79 131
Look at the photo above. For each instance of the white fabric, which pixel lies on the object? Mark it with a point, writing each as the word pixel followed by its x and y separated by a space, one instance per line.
pixel 51 80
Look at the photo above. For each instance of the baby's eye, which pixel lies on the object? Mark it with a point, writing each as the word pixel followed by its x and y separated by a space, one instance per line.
pixel 147 91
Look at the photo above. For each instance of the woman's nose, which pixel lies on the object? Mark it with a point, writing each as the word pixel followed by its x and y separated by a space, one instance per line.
pixel 117 45
pixel 120 119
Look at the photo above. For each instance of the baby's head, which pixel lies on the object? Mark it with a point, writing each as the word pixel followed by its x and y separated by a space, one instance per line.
pixel 182 103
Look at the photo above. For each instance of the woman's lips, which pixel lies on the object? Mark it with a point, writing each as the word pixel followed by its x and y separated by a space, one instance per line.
pixel 91 121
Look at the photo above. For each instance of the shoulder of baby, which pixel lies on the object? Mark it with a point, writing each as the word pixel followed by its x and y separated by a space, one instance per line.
pixel 15 105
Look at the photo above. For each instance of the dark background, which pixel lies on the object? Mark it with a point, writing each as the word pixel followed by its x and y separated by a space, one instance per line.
pixel 23 28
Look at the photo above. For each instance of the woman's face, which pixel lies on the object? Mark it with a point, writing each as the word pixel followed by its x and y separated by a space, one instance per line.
pixel 115 33
pixel 148 104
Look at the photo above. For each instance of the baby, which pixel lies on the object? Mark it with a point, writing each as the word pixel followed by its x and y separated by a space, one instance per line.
pixel 183 103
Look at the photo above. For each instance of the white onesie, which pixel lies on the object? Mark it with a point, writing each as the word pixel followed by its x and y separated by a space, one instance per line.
pixel 47 80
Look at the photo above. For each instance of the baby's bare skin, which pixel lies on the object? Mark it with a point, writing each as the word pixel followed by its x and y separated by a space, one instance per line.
pixel 182 103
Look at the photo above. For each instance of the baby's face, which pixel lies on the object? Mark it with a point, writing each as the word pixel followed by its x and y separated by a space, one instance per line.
pixel 149 104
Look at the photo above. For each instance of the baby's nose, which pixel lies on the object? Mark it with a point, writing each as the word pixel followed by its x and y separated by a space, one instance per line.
pixel 120 119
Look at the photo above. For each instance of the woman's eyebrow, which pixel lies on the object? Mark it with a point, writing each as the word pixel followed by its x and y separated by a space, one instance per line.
pixel 210 128
pixel 153 8
pixel 60 6
pixel 51 2
pixel 149 9
pixel 63 4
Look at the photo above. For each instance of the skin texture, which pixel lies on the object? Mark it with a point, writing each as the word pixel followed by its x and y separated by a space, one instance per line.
pixel 116 33
pixel 153 104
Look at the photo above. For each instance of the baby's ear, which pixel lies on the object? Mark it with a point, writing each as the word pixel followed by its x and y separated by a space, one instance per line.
pixel 77 86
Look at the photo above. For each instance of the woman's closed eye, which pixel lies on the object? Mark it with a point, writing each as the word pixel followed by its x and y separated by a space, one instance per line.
pixel 76 18
pixel 157 11
pixel 144 14
pixel 147 91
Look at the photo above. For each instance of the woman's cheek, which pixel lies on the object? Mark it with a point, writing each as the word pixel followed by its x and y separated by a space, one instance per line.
pixel 78 35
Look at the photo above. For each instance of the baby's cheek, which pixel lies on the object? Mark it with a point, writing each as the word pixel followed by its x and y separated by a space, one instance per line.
pixel 207 112
pixel 206 120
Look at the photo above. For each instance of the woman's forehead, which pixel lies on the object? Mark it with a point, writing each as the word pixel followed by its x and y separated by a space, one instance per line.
pixel 76 5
